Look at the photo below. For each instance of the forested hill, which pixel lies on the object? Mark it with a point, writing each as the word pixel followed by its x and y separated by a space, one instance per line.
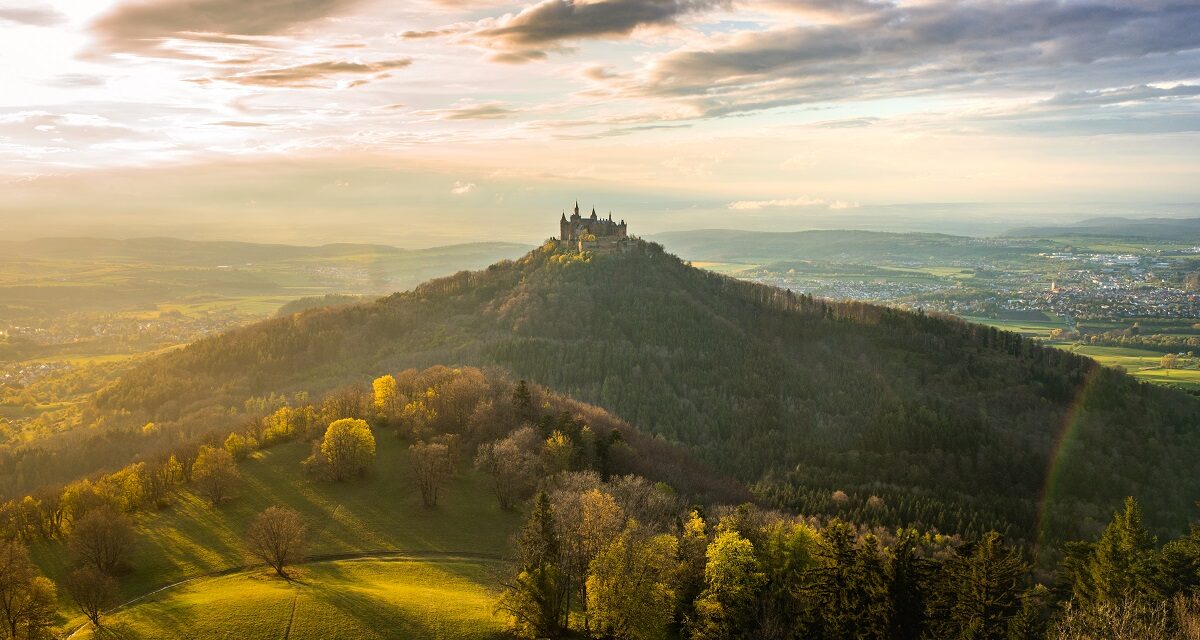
pixel 820 406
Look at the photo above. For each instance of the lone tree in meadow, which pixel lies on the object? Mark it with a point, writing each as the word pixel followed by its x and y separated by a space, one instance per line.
pixel 215 474
pixel 347 449
pixel 102 539
pixel 431 465
pixel 277 536
pixel 92 591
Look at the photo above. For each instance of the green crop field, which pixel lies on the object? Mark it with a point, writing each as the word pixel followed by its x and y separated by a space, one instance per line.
pixel 360 598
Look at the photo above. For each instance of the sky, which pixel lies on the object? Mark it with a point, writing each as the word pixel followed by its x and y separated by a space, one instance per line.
pixel 439 121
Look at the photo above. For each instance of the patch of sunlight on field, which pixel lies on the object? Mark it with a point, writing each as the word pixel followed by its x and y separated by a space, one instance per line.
pixel 367 598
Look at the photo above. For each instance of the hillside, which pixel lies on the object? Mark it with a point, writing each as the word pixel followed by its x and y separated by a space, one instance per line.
pixel 1175 230
pixel 379 557
pixel 951 425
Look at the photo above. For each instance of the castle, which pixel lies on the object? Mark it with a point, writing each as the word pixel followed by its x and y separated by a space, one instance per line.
pixel 592 229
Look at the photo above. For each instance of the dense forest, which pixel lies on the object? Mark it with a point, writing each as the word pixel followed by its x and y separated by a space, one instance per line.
pixel 879 416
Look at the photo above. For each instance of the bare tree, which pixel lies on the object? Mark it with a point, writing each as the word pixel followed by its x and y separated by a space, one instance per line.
pixel 512 462
pixel 102 539
pixel 277 537
pixel 27 599
pixel 92 591
pixel 431 464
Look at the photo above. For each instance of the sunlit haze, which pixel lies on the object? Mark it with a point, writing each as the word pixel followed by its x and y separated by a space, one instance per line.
pixel 425 122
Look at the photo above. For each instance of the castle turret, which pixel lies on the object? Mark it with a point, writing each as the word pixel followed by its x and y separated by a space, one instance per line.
pixel 593 213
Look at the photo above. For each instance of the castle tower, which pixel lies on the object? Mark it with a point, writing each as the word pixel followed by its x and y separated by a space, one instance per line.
pixel 564 228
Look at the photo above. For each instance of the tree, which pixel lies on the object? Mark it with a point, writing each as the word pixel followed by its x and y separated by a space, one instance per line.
pixel 512 465
pixel 587 521
pixel 1168 361
pixel 732 580
pixel 277 537
pixel 27 599
pixel 431 466
pixel 557 453
pixel 92 591
pixel 385 395
pixel 536 597
pixel 102 539
pixel 522 400
pixel 1121 565
pixel 851 585
pixel 215 474
pixel 239 446
pixel 348 448
pixel 630 595
pixel 978 592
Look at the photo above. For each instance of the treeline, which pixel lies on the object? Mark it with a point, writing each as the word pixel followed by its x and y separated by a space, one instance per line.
pixel 464 406
pixel 590 563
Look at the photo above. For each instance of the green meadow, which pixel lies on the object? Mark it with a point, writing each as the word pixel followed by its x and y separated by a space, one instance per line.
pixel 360 598
pixel 376 516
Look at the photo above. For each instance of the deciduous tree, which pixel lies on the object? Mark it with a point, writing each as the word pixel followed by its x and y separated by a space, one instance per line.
pixel 102 539
pixel 348 448
pixel 629 585
pixel 92 591
pixel 277 536
pixel 431 467
pixel 215 474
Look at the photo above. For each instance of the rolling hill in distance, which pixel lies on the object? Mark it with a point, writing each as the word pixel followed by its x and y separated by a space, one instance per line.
pixel 951 425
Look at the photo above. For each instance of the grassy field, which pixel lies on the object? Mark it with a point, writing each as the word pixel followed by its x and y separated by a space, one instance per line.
pixel 362 598
pixel 1031 328
pixel 379 514
pixel 1140 363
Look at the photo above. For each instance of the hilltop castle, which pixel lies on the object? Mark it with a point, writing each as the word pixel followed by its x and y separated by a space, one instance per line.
pixel 592 229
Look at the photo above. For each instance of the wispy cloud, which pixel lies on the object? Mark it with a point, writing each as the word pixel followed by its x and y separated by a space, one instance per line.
pixel 461 188
pixel 314 73
pixel 799 202
pixel 31 14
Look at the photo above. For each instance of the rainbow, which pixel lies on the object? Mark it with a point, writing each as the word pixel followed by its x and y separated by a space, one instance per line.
pixel 1064 438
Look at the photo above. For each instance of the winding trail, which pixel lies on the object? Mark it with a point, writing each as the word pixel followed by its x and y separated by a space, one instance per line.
pixel 388 554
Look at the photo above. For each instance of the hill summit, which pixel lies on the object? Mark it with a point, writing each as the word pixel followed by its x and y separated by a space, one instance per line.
pixel 870 413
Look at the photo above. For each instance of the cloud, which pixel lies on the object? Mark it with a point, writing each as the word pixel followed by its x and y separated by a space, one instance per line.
pixel 936 46
pixel 545 26
pixel 33 15
pixel 461 188
pixel 142 26
pixel 801 202
pixel 484 111
pixel 313 74
pixel 789 203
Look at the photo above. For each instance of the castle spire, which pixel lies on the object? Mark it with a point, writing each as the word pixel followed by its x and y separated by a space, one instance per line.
pixel 576 207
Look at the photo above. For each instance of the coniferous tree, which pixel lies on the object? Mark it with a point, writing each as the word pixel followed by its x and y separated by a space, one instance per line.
pixel 536 597
pixel 1122 563
pixel 977 592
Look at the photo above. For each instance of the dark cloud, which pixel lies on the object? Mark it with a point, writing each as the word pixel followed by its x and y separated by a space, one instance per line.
pixel 889 50
pixel 312 74
pixel 545 26
pixel 142 25
pixel 37 16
